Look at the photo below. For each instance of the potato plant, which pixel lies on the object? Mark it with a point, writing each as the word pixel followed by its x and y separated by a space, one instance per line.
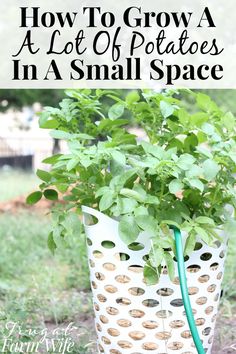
pixel 182 175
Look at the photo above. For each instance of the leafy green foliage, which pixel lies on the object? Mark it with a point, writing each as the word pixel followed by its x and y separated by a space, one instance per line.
pixel 182 176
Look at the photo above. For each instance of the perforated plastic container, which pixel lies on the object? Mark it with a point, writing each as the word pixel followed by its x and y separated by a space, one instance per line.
pixel 133 318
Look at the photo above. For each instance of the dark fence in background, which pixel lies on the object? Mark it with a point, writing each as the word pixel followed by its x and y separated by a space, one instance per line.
pixel 24 152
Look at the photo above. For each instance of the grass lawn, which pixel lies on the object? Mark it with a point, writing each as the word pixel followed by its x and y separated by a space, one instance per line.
pixel 39 290
pixel 14 183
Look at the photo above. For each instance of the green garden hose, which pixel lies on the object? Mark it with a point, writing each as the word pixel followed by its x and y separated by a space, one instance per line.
pixel 184 291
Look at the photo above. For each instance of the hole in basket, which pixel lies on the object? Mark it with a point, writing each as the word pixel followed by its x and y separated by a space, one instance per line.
pixel 216 298
pixel 175 345
pixel 177 303
pixel 194 268
pixel 219 276
pixel 114 351
pixel 209 310
pixel 217 244
pixel 136 291
pixel 176 281
pixel 214 266
pixel 136 246
pixel 203 278
pixel 214 318
pixel 210 340
pixel 122 279
pixel 222 254
pixel 124 344
pixel 193 290
pixel 186 258
pixel 136 313
pixel 112 310
pixel 97 254
pixel 110 289
pixel 211 288
pixel 99 276
pixel 186 334
pixel 113 332
pixel 94 285
pixel 194 312
pixel 99 328
pixel 90 220
pixel 96 307
pixel 198 246
pixel 206 331
pixel 150 324
pixel 136 335
pixel 165 292
pixel 103 319
pixel 206 256
pixel 106 340
pixel 201 300
pixel 135 268
pixel 164 314
pixel 177 324
pixel 122 256
pixel 89 242
pixel 123 301
pixel 149 346
pixel 124 323
pixel 109 266
pixel 92 264
pixel 108 244
pixel 163 335
pixel 150 303
pixel 200 321
pixel 101 348
pixel 101 298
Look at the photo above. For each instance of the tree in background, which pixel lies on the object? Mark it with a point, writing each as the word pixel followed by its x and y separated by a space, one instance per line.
pixel 19 98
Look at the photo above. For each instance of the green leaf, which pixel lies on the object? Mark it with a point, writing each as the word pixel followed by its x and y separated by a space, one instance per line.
pixel 229 121
pixel 52 159
pixel 196 183
pixel 116 111
pixel 185 161
pixel 175 186
pixel 198 119
pixel 130 193
pixel 72 163
pixel 205 220
pixel 50 194
pixel 211 168
pixel 106 201
pixel 43 175
pixel 34 197
pixel 190 243
pixel 101 191
pixel 141 210
pixel 128 229
pixel 170 265
pixel 156 255
pixel 119 157
pixel 132 97
pixel 147 223
pixel 47 122
pixel 151 275
pixel 126 205
pixel 166 109
pixel 51 243
pixel 60 134
pixel 203 234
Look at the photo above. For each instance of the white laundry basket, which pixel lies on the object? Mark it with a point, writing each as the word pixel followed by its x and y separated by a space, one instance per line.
pixel 134 318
